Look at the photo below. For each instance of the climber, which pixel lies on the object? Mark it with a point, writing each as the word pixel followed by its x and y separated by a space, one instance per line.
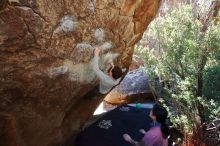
pixel 107 81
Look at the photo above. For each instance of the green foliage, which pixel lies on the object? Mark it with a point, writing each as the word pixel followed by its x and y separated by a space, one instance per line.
pixel 179 52
pixel 212 88
pixel 212 83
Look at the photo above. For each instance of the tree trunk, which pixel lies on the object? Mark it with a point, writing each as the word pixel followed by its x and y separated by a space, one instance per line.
pixel 214 8
pixel 200 107
pixel 210 16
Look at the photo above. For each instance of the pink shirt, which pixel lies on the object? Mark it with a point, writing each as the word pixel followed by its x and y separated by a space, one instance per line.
pixel 154 137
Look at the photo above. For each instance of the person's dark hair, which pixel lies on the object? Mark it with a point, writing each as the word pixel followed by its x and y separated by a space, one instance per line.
pixel 116 72
pixel 161 116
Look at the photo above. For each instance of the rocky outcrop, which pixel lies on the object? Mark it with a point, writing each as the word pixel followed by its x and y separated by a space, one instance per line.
pixel 133 88
pixel 45 52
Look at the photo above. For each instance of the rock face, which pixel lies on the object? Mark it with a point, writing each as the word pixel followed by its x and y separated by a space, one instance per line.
pixel 133 87
pixel 45 53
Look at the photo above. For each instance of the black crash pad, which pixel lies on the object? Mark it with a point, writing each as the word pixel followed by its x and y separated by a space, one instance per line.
pixel 108 130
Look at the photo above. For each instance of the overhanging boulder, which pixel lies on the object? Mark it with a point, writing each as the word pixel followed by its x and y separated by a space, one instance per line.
pixel 45 52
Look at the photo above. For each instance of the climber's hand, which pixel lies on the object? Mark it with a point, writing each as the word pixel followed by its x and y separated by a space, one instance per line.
pixel 112 64
pixel 97 51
